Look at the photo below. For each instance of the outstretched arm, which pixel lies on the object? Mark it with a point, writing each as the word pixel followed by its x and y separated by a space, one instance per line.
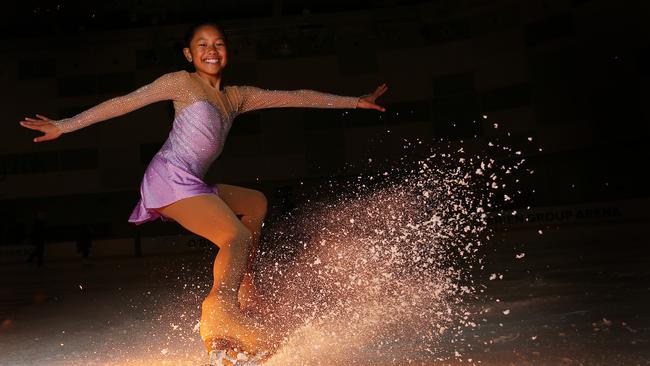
pixel 252 98
pixel 163 88
pixel 368 101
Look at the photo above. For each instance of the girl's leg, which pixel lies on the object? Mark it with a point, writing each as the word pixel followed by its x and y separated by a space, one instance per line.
pixel 210 217
pixel 252 206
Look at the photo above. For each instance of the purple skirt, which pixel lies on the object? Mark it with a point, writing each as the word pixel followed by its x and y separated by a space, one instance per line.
pixel 163 184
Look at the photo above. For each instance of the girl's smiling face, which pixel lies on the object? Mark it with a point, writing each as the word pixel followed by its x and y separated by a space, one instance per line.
pixel 207 50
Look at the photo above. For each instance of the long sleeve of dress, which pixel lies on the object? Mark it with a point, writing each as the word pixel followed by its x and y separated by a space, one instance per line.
pixel 252 98
pixel 163 88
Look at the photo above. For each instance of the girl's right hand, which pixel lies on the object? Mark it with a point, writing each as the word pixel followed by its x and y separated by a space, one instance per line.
pixel 44 125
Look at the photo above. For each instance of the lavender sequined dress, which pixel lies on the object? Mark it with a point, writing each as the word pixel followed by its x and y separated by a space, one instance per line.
pixel 177 170
pixel 202 120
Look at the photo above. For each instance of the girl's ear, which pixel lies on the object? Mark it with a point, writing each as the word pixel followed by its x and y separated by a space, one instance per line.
pixel 187 53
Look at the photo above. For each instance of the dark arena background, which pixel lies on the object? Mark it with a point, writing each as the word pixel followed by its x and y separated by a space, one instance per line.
pixel 522 125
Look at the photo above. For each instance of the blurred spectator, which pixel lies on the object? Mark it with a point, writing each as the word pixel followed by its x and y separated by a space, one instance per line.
pixel 84 240
pixel 37 238
pixel 136 242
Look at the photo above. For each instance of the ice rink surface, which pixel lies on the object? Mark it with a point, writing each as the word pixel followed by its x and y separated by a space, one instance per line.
pixel 577 300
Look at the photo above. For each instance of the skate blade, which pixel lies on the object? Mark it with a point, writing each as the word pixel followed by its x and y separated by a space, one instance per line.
pixel 222 358
pixel 228 352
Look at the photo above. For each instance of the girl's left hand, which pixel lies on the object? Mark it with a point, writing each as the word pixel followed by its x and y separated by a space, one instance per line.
pixel 368 101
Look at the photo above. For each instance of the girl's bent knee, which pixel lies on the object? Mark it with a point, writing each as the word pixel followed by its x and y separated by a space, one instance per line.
pixel 237 237
pixel 257 204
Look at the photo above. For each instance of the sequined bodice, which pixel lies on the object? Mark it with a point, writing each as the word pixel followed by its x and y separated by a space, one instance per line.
pixel 204 115
pixel 197 137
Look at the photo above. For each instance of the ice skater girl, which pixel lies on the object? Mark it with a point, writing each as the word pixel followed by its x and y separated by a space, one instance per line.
pixel 173 189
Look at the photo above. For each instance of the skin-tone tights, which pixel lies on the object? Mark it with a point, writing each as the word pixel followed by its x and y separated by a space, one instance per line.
pixel 214 218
